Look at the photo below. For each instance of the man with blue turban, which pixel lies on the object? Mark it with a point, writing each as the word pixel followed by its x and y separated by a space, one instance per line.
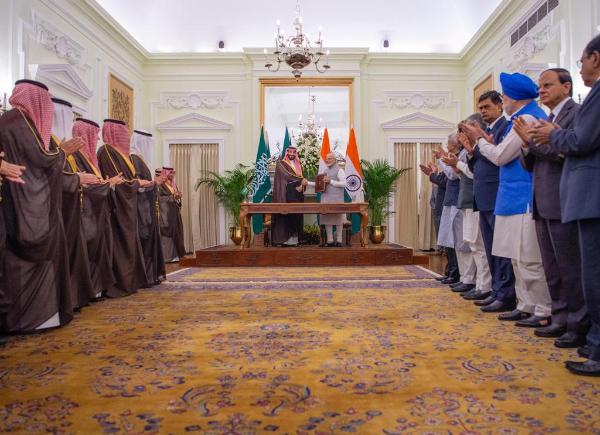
pixel 515 235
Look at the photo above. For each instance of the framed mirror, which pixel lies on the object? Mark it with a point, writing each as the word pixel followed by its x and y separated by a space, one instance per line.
pixel 285 102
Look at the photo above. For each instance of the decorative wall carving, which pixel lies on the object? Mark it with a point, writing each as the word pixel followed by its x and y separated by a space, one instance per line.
pixel 62 46
pixel 416 101
pixel 195 101
pixel 120 101
pixel 532 45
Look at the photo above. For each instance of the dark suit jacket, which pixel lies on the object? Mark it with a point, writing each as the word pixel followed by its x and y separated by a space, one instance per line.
pixel 440 180
pixel 547 166
pixel 485 174
pixel 580 181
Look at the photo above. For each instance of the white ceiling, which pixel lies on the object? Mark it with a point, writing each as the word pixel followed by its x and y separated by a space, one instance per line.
pixel 411 26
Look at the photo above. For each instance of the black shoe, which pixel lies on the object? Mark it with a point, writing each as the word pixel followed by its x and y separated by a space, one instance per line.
pixel 478 295
pixel 450 281
pixel 586 368
pixel 2 341
pixel 98 299
pixel 570 340
pixel 486 301
pixel 533 322
pixel 498 307
pixel 583 352
pixel 463 288
pixel 551 331
pixel 338 245
pixel 441 278
pixel 470 293
pixel 514 315
pixel 456 284
pixel 78 309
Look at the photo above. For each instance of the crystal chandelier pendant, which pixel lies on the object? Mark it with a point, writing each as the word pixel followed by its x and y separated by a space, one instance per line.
pixel 295 51
pixel 310 128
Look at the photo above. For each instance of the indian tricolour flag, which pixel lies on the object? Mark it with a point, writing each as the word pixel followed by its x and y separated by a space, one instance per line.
pixel 325 149
pixel 354 188
pixel 353 171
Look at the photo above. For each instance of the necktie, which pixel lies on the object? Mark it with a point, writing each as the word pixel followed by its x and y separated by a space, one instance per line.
pixel 488 130
pixel 551 118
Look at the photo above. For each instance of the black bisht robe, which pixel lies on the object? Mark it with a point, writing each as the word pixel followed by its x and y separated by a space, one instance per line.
pixel 148 212
pixel 35 282
pixel 285 226
pixel 95 221
pixel 82 290
pixel 128 262
pixel 171 225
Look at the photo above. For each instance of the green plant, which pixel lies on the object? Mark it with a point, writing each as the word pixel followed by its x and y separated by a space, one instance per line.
pixel 231 188
pixel 312 234
pixel 379 179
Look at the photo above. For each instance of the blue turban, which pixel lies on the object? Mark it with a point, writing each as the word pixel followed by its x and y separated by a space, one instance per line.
pixel 518 86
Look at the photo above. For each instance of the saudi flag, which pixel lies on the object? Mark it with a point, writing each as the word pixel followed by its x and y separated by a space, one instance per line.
pixel 286 143
pixel 354 189
pixel 261 182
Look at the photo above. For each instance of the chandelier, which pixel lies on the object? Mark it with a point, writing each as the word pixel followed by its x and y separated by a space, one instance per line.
pixel 296 50
pixel 310 128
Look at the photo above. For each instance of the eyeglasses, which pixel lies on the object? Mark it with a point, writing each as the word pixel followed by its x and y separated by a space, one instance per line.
pixel 579 63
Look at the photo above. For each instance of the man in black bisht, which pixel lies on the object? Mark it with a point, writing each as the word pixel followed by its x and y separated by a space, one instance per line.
pixel 35 285
pixel 171 223
pixel 128 261
pixel 74 182
pixel 287 187
pixel 148 210
pixel 96 208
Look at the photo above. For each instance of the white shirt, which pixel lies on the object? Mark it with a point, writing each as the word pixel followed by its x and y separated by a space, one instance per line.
pixel 559 106
pixel 340 183
pixel 507 150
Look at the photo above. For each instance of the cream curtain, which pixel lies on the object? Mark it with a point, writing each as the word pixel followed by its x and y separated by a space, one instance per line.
pixel 405 199
pixel 200 210
pixel 427 238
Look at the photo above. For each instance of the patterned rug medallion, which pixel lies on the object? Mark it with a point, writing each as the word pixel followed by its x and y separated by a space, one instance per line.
pixel 377 350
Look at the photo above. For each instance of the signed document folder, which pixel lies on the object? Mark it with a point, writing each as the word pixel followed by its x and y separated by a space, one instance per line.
pixel 320 183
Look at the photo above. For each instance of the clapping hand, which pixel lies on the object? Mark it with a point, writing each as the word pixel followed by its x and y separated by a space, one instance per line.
pixel 464 140
pixel 439 153
pixel 522 128
pixel 450 160
pixel 541 132
pixel 11 171
pixel 434 168
pixel 71 146
pixel 89 179
pixel 304 182
pixel 146 183
pixel 116 180
pixel 474 132
pixel 425 169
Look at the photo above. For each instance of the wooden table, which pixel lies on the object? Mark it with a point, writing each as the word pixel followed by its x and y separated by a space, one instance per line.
pixel 247 210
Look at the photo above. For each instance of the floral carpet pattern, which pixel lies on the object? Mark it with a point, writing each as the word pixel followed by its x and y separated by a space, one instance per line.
pixel 392 353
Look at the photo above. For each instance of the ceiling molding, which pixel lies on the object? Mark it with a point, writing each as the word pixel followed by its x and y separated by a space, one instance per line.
pixel 418 121
pixel 193 122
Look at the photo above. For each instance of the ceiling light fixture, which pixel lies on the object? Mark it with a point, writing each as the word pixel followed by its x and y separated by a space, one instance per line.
pixel 296 50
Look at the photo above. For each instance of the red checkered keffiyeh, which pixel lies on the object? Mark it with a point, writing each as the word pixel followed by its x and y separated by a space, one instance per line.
pixel 165 173
pixel 88 131
pixel 117 135
pixel 37 103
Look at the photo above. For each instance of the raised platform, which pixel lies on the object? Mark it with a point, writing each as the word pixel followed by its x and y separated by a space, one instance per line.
pixel 308 255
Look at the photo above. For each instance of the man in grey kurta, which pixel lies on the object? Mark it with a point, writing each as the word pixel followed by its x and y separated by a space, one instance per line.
pixel 335 184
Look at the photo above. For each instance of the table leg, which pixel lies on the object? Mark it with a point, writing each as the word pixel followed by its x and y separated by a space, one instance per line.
pixel 243 225
pixel 249 225
pixel 364 222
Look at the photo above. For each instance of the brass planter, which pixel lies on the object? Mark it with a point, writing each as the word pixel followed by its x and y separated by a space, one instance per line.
pixel 377 234
pixel 235 234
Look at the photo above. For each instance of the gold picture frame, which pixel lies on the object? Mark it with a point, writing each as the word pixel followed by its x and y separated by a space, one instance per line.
pixel 307 82
pixel 487 84
pixel 120 101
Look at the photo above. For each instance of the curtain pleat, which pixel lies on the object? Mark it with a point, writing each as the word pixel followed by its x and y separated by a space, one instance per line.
pixel 200 209
pixel 427 239
pixel 405 203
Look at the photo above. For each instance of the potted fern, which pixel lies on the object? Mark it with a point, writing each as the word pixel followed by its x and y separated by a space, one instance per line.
pixel 231 189
pixel 379 179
